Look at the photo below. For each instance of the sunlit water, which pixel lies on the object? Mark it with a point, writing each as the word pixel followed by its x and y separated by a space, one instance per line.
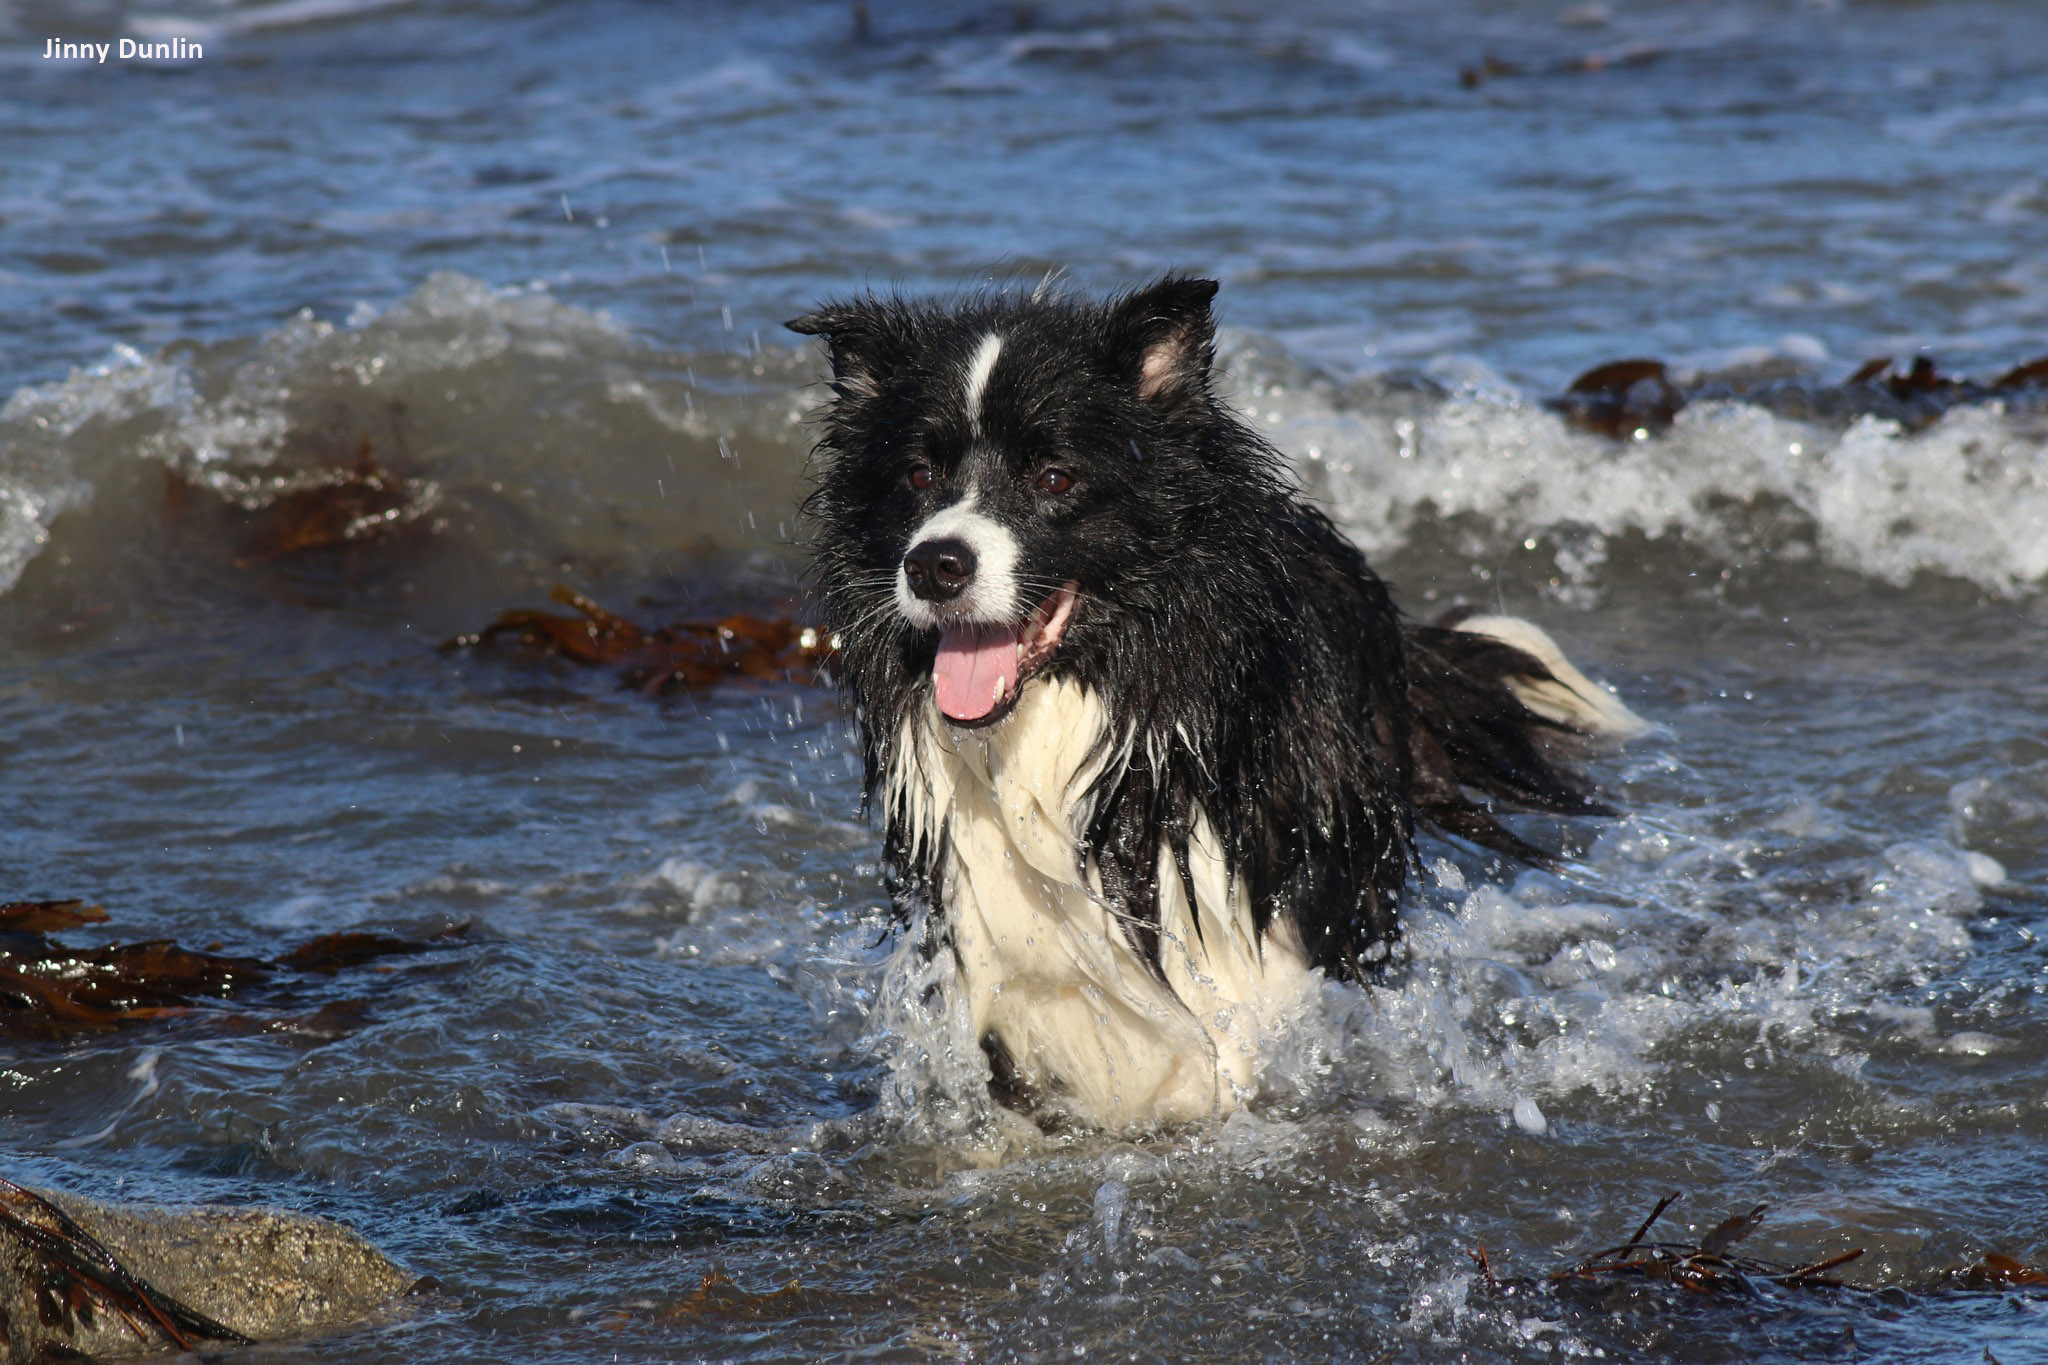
pixel 542 251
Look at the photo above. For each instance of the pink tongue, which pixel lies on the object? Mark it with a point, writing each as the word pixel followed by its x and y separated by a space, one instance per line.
pixel 973 662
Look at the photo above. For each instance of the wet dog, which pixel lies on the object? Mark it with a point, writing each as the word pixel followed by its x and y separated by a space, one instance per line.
pixel 1149 738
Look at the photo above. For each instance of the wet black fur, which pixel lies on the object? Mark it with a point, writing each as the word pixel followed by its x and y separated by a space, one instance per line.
pixel 1243 642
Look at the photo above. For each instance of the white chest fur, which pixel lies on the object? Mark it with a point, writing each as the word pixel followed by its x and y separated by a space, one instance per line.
pixel 1046 967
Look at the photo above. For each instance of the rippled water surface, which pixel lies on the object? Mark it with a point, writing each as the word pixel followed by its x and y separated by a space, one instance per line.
pixel 532 258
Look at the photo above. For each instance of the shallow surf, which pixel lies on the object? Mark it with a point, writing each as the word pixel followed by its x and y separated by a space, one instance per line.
pixel 1803 969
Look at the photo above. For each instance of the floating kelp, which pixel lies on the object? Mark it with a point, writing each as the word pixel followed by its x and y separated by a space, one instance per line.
pixel 1712 1266
pixel 1709 1266
pixel 46 917
pixel 331 953
pixel 1622 398
pixel 48 990
pixel 51 991
pixel 325 488
pixel 668 658
pixel 1997 1271
pixel 717 1296
pixel 342 505
pixel 1491 67
pixel 2031 375
pixel 1637 398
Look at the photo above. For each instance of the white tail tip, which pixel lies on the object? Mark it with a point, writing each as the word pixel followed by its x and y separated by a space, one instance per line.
pixel 1567 696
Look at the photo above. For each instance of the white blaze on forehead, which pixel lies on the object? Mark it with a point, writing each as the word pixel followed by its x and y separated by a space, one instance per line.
pixel 993 596
pixel 979 368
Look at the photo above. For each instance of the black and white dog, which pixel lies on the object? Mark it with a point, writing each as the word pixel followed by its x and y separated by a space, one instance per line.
pixel 1149 738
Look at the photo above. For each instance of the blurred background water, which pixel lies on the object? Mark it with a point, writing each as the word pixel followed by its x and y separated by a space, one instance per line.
pixel 532 258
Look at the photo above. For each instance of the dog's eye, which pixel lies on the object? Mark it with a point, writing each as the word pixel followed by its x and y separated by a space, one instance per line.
pixel 920 476
pixel 1055 481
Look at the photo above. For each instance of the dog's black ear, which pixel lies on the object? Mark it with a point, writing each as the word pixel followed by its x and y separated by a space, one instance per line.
pixel 854 334
pixel 1163 337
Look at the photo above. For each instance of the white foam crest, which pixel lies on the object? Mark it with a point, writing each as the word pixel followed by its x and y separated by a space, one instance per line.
pixel 453 321
pixel 39 473
pixel 26 511
pixel 255 18
pixel 1966 496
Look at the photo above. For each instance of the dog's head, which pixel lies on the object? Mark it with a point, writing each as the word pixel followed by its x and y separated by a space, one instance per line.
pixel 1001 479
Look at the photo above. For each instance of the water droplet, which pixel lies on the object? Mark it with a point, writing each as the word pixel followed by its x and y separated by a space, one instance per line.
pixel 1112 1201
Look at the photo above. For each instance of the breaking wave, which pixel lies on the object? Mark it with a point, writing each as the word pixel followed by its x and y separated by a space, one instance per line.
pixel 538 431
pixel 537 435
pixel 1965 496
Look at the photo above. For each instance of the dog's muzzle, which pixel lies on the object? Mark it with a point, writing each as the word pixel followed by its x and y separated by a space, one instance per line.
pixel 939 570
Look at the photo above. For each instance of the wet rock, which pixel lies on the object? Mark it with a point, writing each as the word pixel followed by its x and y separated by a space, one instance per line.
pixel 112 1280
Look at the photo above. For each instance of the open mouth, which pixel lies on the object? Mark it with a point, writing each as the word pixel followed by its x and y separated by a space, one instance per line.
pixel 981 669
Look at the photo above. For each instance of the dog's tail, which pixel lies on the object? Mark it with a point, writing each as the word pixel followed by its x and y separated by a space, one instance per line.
pixel 1501 721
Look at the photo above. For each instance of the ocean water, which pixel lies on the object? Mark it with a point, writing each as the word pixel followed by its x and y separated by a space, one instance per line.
pixel 533 258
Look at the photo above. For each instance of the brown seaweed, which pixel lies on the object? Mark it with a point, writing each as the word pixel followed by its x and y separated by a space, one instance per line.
pixel 1997 1271
pixel 50 991
pixel 1713 1266
pixel 1635 398
pixel 716 1295
pixel 345 504
pixel 326 489
pixel 1492 68
pixel 1923 377
pixel 44 917
pixel 1622 398
pixel 594 636
pixel 664 659
pixel 1709 1266
pixel 2031 375
pixel 331 953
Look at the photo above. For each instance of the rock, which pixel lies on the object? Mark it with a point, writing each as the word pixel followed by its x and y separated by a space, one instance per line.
pixel 254 1273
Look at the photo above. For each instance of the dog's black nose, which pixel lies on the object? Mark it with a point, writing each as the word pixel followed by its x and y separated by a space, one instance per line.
pixel 938 570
